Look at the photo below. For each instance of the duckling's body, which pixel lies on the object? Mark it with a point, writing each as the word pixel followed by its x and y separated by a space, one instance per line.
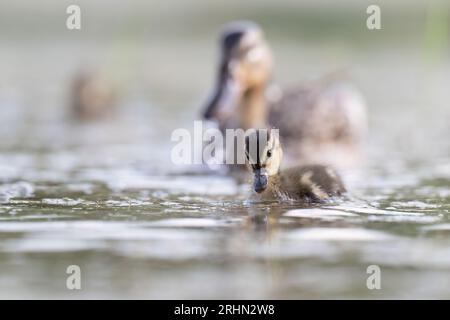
pixel 322 122
pixel 309 183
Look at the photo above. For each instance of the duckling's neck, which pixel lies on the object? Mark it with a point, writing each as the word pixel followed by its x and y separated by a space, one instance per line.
pixel 254 109
pixel 273 190
pixel 274 182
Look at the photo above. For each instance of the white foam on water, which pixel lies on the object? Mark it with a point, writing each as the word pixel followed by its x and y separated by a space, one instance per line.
pixel 15 190
pixel 65 202
pixel 315 213
pixel 338 234
pixel 189 223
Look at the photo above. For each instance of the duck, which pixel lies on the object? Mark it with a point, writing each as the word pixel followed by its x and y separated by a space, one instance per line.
pixel 93 95
pixel 323 122
pixel 313 183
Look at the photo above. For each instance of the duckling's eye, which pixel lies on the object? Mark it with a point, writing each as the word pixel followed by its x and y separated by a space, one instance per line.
pixel 269 153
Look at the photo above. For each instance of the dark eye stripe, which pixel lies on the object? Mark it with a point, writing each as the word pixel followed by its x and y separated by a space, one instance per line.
pixel 261 147
pixel 256 166
pixel 258 160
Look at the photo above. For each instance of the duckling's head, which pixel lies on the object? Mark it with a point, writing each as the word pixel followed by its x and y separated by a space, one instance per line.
pixel 263 154
pixel 245 64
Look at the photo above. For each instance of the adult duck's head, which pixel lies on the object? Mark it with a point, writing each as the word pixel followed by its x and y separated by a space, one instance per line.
pixel 244 69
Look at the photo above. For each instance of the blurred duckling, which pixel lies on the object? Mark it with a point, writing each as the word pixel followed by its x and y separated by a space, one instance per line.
pixel 93 96
pixel 309 183
pixel 323 122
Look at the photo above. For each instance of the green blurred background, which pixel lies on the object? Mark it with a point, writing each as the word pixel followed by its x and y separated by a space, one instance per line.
pixel 165 51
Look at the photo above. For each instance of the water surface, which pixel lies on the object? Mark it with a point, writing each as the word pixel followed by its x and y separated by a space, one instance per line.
pixel 105 196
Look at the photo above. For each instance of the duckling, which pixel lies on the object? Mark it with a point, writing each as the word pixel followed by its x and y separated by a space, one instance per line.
pixel 93 95
pixel 309 183
pixel 323 122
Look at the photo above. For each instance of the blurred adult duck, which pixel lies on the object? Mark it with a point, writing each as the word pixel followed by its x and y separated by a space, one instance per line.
pixel 93 95
pixel 322 122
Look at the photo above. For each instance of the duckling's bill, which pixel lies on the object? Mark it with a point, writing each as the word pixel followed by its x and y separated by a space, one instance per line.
pixel 261 180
